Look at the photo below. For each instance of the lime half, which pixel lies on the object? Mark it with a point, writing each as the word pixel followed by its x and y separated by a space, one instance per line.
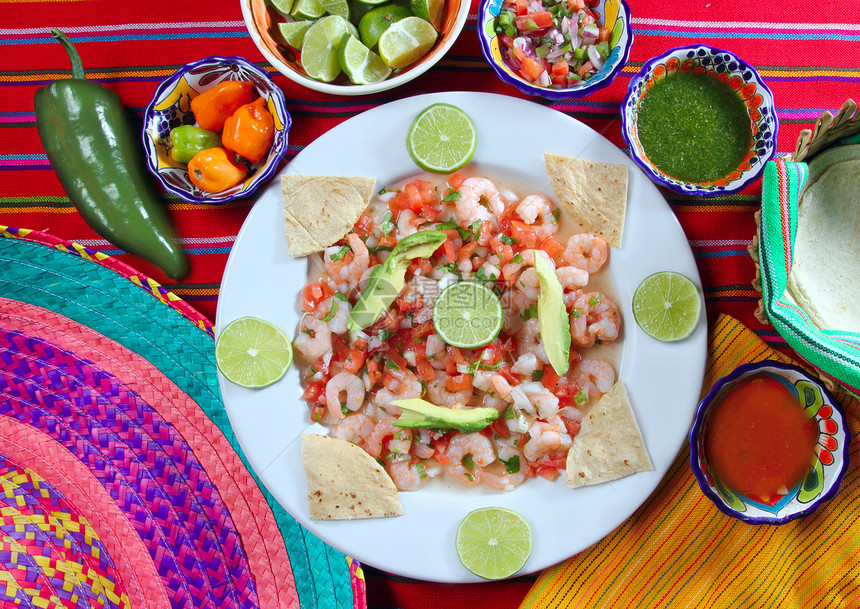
pixel 494 543
pixel 667 305
pixel 442 139
pixel 406 41
pixel 253 353
pixel 467 314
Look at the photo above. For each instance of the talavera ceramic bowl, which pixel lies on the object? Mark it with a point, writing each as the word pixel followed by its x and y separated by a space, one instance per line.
pixel 614 14
pixel 740 76
pixel 830 459
pixel 171 107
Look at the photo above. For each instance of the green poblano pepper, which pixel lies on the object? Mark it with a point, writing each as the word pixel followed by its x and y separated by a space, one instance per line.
pixel 98 159
pixel 187 140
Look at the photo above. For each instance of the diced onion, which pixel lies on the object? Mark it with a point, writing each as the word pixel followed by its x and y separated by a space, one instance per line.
pixel 572 413
pixel 521 400
pixel 594 56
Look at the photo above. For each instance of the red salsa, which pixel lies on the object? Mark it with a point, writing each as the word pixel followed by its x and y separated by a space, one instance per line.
pixel 759 442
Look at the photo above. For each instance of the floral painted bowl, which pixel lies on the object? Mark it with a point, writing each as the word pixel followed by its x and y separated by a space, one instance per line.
pixel 171 107
pixel 727 68
pixel 614 14
pixel 830 452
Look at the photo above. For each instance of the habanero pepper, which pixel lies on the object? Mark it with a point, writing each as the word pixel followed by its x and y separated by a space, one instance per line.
pixel 250 131
pixel 98 159
pixel 212 107
pixel 188 140
pixel 213 170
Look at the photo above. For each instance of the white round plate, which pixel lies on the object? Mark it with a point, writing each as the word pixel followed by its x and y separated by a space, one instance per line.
pixel 663 379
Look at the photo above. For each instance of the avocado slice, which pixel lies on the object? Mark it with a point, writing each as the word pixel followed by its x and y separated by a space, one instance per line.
pixel 388 279
pixel 552 317
pixel 418 413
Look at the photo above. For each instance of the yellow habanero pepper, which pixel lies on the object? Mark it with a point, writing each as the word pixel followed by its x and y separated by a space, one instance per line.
pixel 213 170
pixel 250 131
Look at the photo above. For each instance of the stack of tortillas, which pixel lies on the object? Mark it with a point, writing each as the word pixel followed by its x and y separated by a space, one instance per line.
pixel 321 210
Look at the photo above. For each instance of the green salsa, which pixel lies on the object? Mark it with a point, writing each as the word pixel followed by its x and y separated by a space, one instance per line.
pixel 694 127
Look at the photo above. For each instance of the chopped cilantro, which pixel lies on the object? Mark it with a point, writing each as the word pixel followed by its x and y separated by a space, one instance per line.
pixel 343 251
pixel 537 375
pixel 512 465
pixel 386 226
pixel 530 312
pixel 556 214
pixel 508 240
pixel 452 197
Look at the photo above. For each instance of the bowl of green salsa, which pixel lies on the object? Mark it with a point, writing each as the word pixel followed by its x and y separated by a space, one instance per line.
pixel 700 121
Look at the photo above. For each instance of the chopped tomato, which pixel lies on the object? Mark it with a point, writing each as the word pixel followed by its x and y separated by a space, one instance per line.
pixel 313 390
pixel 532 69
pixel 572 427
pixel 425 370
pixel 500 428
pixel 460 382
pixel 440 445
pixel 373 372
pixel 354 361
pixel 449 250
pixel 548 473
pixel 509 376
pixel 313 295
pixel 397 359
pixel 525 235
pixel 551 247
pixel 538 20
pixel 456 180
pixel 363 226
pixel 549 378
pixel 585 68
pixel 522 6
pixel 575 5
pixel 603 34
pixel 456 355
pixel 317 412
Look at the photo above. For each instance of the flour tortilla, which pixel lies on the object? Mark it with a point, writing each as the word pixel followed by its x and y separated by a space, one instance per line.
pixel 344 482
pixel 593 194
pixel 826 263
pixel 609 444
pixel 320 210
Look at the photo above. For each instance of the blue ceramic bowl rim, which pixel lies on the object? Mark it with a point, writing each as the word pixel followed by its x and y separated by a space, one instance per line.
pixel 553 94
pixel 696 429
pixel 276 95
pixel 690 189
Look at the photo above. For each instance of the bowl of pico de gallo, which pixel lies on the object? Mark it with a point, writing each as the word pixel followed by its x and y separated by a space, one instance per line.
pixel 557 49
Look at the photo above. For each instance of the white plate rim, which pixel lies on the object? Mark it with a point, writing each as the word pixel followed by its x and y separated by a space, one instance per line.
pixel 664 379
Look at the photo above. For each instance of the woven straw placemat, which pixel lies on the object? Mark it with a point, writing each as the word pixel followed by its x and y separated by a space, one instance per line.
pixel 125 485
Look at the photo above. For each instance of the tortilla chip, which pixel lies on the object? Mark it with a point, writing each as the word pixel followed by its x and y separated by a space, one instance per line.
pixel 823 278
pixel 593 194
pixel 344 482
pixel 609 444
pixel 321 210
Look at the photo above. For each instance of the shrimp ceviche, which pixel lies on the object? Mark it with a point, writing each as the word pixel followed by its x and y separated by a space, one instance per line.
pixel 352 377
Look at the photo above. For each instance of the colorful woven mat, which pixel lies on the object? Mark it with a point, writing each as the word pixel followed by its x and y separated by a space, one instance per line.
pixel 679 550
pixel 123 484
pixel 836 354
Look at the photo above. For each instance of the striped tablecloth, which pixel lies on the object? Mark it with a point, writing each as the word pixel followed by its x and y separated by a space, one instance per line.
pixel 809 54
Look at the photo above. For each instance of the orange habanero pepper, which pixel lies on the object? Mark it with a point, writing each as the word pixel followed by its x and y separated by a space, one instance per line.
pixel 211 108
pixel 250 131
pixel 213 170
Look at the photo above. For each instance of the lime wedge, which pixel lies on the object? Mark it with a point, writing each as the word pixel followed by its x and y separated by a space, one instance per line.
pixel 493 543
pixel 552 317
pixel 667 306
pixel 336 7
pixel 283 6
pixel 370 2
pixel 442 139
pixel 406 41
pixel 467 314
pixel 307 9
pixel 362 65
pixel 430 10
pixel 320 47
pixel 294 32
pixel 376 20
pixel 253 353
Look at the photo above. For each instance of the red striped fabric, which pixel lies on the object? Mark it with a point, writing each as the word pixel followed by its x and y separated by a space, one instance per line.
pixel 807 53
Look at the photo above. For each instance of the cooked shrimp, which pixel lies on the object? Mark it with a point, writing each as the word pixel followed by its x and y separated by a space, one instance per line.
pixel 509 473
pixel 398 445
pixel 339 383
pixel 586 251
pixel 475 189
pixel 529 340
pixel 594 377
pixel 405 226
pixel 571 277
pixel 407 386
pixel 546 437
pixel 346 273
pixel 535 207
pixel 543 400
pixel 314 338
pixel 438 394
pixel 354 428
pixel 434 350
pixel 529 284
pixel 477 448
pixel 410 474
pixel 595 317
pixel 511 270
pixel 339 310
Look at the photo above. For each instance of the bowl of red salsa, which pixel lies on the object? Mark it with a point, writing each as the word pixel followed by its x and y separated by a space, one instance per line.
pixel 700 121
pixel 769 443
